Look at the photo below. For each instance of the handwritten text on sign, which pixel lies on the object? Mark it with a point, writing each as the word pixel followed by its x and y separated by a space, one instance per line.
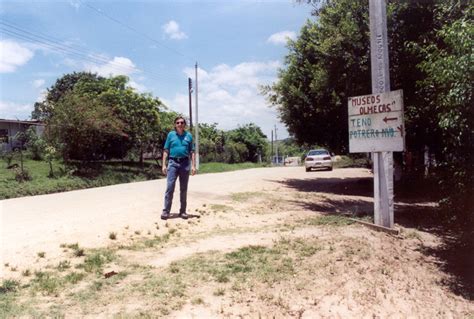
pixel 376 123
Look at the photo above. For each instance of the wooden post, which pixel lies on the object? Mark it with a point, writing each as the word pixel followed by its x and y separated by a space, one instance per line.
pixel 190 91
pixel 197 120
pixel 383 161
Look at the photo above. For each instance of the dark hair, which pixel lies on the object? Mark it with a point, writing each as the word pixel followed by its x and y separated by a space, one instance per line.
pixel 180 117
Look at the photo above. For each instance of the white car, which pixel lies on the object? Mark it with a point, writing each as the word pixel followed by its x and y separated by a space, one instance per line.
pixel 319 158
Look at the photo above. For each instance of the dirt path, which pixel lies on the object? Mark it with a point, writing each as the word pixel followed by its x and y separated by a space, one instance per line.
pixel 266 243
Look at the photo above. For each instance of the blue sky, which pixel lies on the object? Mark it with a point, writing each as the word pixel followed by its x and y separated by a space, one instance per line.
pixel 238 45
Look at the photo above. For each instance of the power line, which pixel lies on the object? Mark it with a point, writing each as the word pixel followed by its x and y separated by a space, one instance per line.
pixel 51 43
pixel 101 12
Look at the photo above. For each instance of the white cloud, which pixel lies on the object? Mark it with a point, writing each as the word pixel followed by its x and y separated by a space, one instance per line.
pixel 171 29
pixel 281 37
pixel 13 111
pixel 229 96
pixel 137 86
pixel 13 55
pixel 38 83
pixel 75 4
pixel 116 66
pixel 42 95
pixel 119 66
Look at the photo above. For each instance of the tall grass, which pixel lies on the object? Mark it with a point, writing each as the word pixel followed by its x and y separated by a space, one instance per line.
pixel 214 167
pixel 96 175
pixel 103 174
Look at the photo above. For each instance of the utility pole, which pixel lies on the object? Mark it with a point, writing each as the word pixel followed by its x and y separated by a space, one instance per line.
pixel 190 91
pixel 276 146
pixel 383 161
pixel 197 121
pixel 271 152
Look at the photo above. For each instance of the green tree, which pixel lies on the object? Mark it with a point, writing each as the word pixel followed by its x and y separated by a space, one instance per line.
pixel 134 117
pixel 34 143
pixel 326 64
pixel 235 152
pixel 211 143
pixel 252 137
pixel 140 113
pixel 65 84
pixel 448 93
pixel 430 50
pixel 84 128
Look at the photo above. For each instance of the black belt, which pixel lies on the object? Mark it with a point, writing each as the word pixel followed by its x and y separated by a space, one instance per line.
pixel 179 159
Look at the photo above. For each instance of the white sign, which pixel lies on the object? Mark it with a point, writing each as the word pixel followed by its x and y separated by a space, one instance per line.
pixel 376 123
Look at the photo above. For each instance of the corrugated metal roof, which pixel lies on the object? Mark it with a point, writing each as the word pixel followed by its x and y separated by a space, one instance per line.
pixel 21 122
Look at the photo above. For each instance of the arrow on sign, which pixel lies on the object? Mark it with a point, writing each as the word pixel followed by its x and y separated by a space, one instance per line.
pixel 386 119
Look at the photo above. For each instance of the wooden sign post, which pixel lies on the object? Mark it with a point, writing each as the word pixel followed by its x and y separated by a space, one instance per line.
pixel 383 161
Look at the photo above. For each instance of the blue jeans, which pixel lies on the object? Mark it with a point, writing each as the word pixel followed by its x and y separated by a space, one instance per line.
pixel 175 170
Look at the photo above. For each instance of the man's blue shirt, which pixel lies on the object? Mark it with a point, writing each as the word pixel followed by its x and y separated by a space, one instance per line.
pixel 179 145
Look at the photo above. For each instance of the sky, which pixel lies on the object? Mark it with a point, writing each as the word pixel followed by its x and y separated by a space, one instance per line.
pixel 238 46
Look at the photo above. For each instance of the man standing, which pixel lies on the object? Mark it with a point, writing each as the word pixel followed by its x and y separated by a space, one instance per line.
pixel 179 146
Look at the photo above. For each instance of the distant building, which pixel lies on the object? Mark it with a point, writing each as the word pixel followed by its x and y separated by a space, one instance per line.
pixel 9 128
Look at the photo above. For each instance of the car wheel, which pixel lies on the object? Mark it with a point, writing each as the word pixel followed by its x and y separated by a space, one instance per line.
pixel 308 169
pixel 330 169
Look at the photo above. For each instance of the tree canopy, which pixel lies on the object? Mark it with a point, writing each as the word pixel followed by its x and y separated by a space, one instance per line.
pixel 430 51
pixel 91 117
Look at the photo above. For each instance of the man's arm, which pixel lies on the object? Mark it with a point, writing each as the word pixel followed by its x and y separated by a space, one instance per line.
pixel 164 167
pixel 193 163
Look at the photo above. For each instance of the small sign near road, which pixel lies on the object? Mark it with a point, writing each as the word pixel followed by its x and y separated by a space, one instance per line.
pixel 376 123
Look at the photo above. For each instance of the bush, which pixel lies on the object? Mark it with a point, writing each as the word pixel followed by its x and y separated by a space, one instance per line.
pixel 34 144
pixel 22 175
pixel 7 156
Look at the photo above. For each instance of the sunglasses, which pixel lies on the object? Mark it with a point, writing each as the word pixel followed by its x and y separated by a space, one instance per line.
pixel 180 122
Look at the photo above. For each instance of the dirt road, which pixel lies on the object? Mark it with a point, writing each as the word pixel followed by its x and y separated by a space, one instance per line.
pixel 264 243
pixel 40 223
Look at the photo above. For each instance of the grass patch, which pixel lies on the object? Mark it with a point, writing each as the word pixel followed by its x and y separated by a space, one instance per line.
pixel 412 234
pixel 9 285
pixel 347 161
pixel 74 277
pixel 101 174
pixel 219 292
pixel 220 208
pixel 10 308
pixel 63 265
pixel 251 263
pixel 214 167
pixel 76 250
pixel 245 196
pixel 329 220
pixel 167 291
pixel 149 243
pixel 170 289
pixel 96 260
pixel 46 282
pixel 197 301
pixel 26 273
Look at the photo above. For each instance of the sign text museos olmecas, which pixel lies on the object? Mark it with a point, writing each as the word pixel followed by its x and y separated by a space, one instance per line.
pixel 376 123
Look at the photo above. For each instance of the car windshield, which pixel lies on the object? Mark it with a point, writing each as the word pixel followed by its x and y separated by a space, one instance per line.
pixel 318 152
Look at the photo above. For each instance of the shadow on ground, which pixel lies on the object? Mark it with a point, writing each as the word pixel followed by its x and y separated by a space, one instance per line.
pixel 341 186
pixel 415 207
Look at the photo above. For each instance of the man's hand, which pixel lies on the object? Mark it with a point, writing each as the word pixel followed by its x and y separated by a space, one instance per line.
pixel 193 170
pixel 164 170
